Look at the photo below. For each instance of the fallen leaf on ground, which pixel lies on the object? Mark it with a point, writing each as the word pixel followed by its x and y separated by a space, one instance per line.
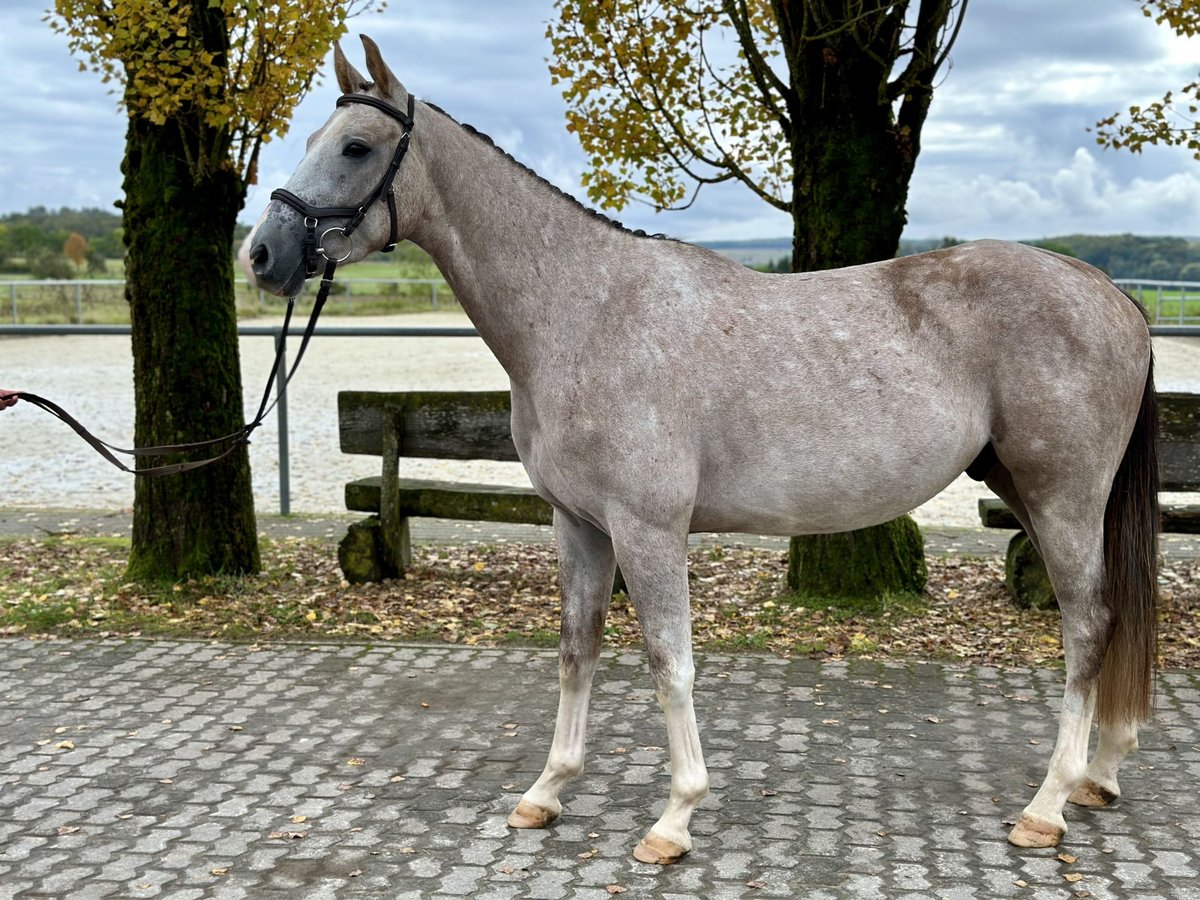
pixel 508 593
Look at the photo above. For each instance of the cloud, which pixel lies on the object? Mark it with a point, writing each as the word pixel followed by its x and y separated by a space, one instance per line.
pixel 1005 151
pixel 1081 196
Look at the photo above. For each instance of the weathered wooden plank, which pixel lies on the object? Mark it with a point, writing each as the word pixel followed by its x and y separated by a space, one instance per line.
pixel 1181 519
pixel 434 424
pixel 445 500
pixel 1179 441
pixel 1176 519
pixel 995 514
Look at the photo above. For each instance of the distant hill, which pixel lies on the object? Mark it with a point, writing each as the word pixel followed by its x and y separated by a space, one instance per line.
pixel 43 231
pixel 1119 255
pixel 756 254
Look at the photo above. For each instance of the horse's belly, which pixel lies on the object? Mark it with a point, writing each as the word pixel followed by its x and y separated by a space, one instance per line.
pixel 806 514
pixel 800 495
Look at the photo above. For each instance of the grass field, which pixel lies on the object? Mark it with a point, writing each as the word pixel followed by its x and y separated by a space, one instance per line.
pixel 366 288
pixel 356 292
pixel 1170 306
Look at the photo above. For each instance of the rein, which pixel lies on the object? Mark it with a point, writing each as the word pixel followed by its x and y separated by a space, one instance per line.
pixel 314 250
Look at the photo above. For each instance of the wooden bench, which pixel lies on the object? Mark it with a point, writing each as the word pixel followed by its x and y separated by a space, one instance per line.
pixel 433 425
pixel 1179 470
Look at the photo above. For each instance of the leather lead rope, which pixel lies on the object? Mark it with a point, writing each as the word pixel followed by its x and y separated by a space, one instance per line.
pixel 313 249
pixel 236 439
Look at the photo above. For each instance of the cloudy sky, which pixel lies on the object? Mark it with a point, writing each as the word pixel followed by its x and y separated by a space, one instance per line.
pixel 1006 149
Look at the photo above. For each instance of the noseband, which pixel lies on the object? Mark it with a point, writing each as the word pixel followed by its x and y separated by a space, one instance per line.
pixel 384 192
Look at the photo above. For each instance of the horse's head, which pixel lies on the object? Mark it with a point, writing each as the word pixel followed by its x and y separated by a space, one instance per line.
pixel 341 195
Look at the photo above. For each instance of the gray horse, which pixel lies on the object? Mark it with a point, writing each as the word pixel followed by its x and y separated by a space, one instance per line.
pixel 659 389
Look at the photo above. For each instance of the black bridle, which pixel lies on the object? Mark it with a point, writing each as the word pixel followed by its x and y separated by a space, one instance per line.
pixel 384 191
pixel 314 249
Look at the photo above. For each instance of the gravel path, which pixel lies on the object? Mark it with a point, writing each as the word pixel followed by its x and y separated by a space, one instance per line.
pixel 43 464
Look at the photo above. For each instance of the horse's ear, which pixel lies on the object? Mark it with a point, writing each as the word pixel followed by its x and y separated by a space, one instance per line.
pixel 388 83
pixel 348 77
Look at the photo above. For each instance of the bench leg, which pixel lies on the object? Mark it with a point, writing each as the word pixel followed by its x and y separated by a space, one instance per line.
pixel 397 548
pixel 370 551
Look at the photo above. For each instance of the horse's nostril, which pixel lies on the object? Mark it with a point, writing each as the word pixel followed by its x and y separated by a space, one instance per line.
pixel 259 255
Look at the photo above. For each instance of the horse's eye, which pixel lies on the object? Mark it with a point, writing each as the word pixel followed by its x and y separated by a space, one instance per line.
pixel 356 149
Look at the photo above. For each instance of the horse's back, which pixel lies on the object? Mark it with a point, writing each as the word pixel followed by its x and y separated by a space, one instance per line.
pixel 829 400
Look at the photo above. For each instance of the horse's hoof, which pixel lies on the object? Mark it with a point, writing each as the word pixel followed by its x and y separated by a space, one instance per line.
pixel 658 850
pixel 1091 794
pixel 527 815
pixel 1031 832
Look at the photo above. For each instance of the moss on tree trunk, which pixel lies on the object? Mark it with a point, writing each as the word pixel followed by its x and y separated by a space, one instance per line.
pixel 187 378
pixel 870 562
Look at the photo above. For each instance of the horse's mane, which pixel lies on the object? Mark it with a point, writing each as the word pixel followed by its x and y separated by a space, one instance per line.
pixel 610 222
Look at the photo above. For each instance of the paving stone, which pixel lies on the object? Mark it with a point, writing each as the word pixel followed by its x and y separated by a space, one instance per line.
pixel 190 755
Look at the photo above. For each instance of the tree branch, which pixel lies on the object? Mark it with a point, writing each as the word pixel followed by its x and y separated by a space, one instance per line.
pixel 926 58
pixel 764 76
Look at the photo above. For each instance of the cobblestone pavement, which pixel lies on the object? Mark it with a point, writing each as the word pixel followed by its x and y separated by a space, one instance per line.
pixel 181 769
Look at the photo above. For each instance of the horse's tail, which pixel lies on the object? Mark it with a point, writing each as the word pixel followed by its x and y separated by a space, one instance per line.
pixel 1131 525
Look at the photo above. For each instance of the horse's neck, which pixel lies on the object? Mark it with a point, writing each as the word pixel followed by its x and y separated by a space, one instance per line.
pixel 521 259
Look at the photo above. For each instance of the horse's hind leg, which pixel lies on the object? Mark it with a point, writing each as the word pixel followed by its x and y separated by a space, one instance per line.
pixel 586 569
pixel 1000 481
pixel 1117 740
pixel 1072 548
pixel 1099 787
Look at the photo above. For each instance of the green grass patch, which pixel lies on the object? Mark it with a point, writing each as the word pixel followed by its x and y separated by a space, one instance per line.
pixel 888 604
pixel 1170 306
pixel 104 304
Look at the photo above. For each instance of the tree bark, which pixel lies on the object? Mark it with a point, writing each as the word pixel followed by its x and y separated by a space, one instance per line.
pixel 870 562
pixel 187 380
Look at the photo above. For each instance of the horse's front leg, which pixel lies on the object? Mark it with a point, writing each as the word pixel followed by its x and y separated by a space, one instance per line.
pixel 586 569
pixel 655 566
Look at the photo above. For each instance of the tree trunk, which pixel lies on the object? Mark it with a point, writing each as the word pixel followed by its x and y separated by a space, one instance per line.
pixel 852 160
pixel 870 562
pixel 187 378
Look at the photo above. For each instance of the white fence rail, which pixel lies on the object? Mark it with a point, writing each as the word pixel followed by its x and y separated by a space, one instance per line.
pixel 102 301
pixel 1168 302
pixel 80 301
